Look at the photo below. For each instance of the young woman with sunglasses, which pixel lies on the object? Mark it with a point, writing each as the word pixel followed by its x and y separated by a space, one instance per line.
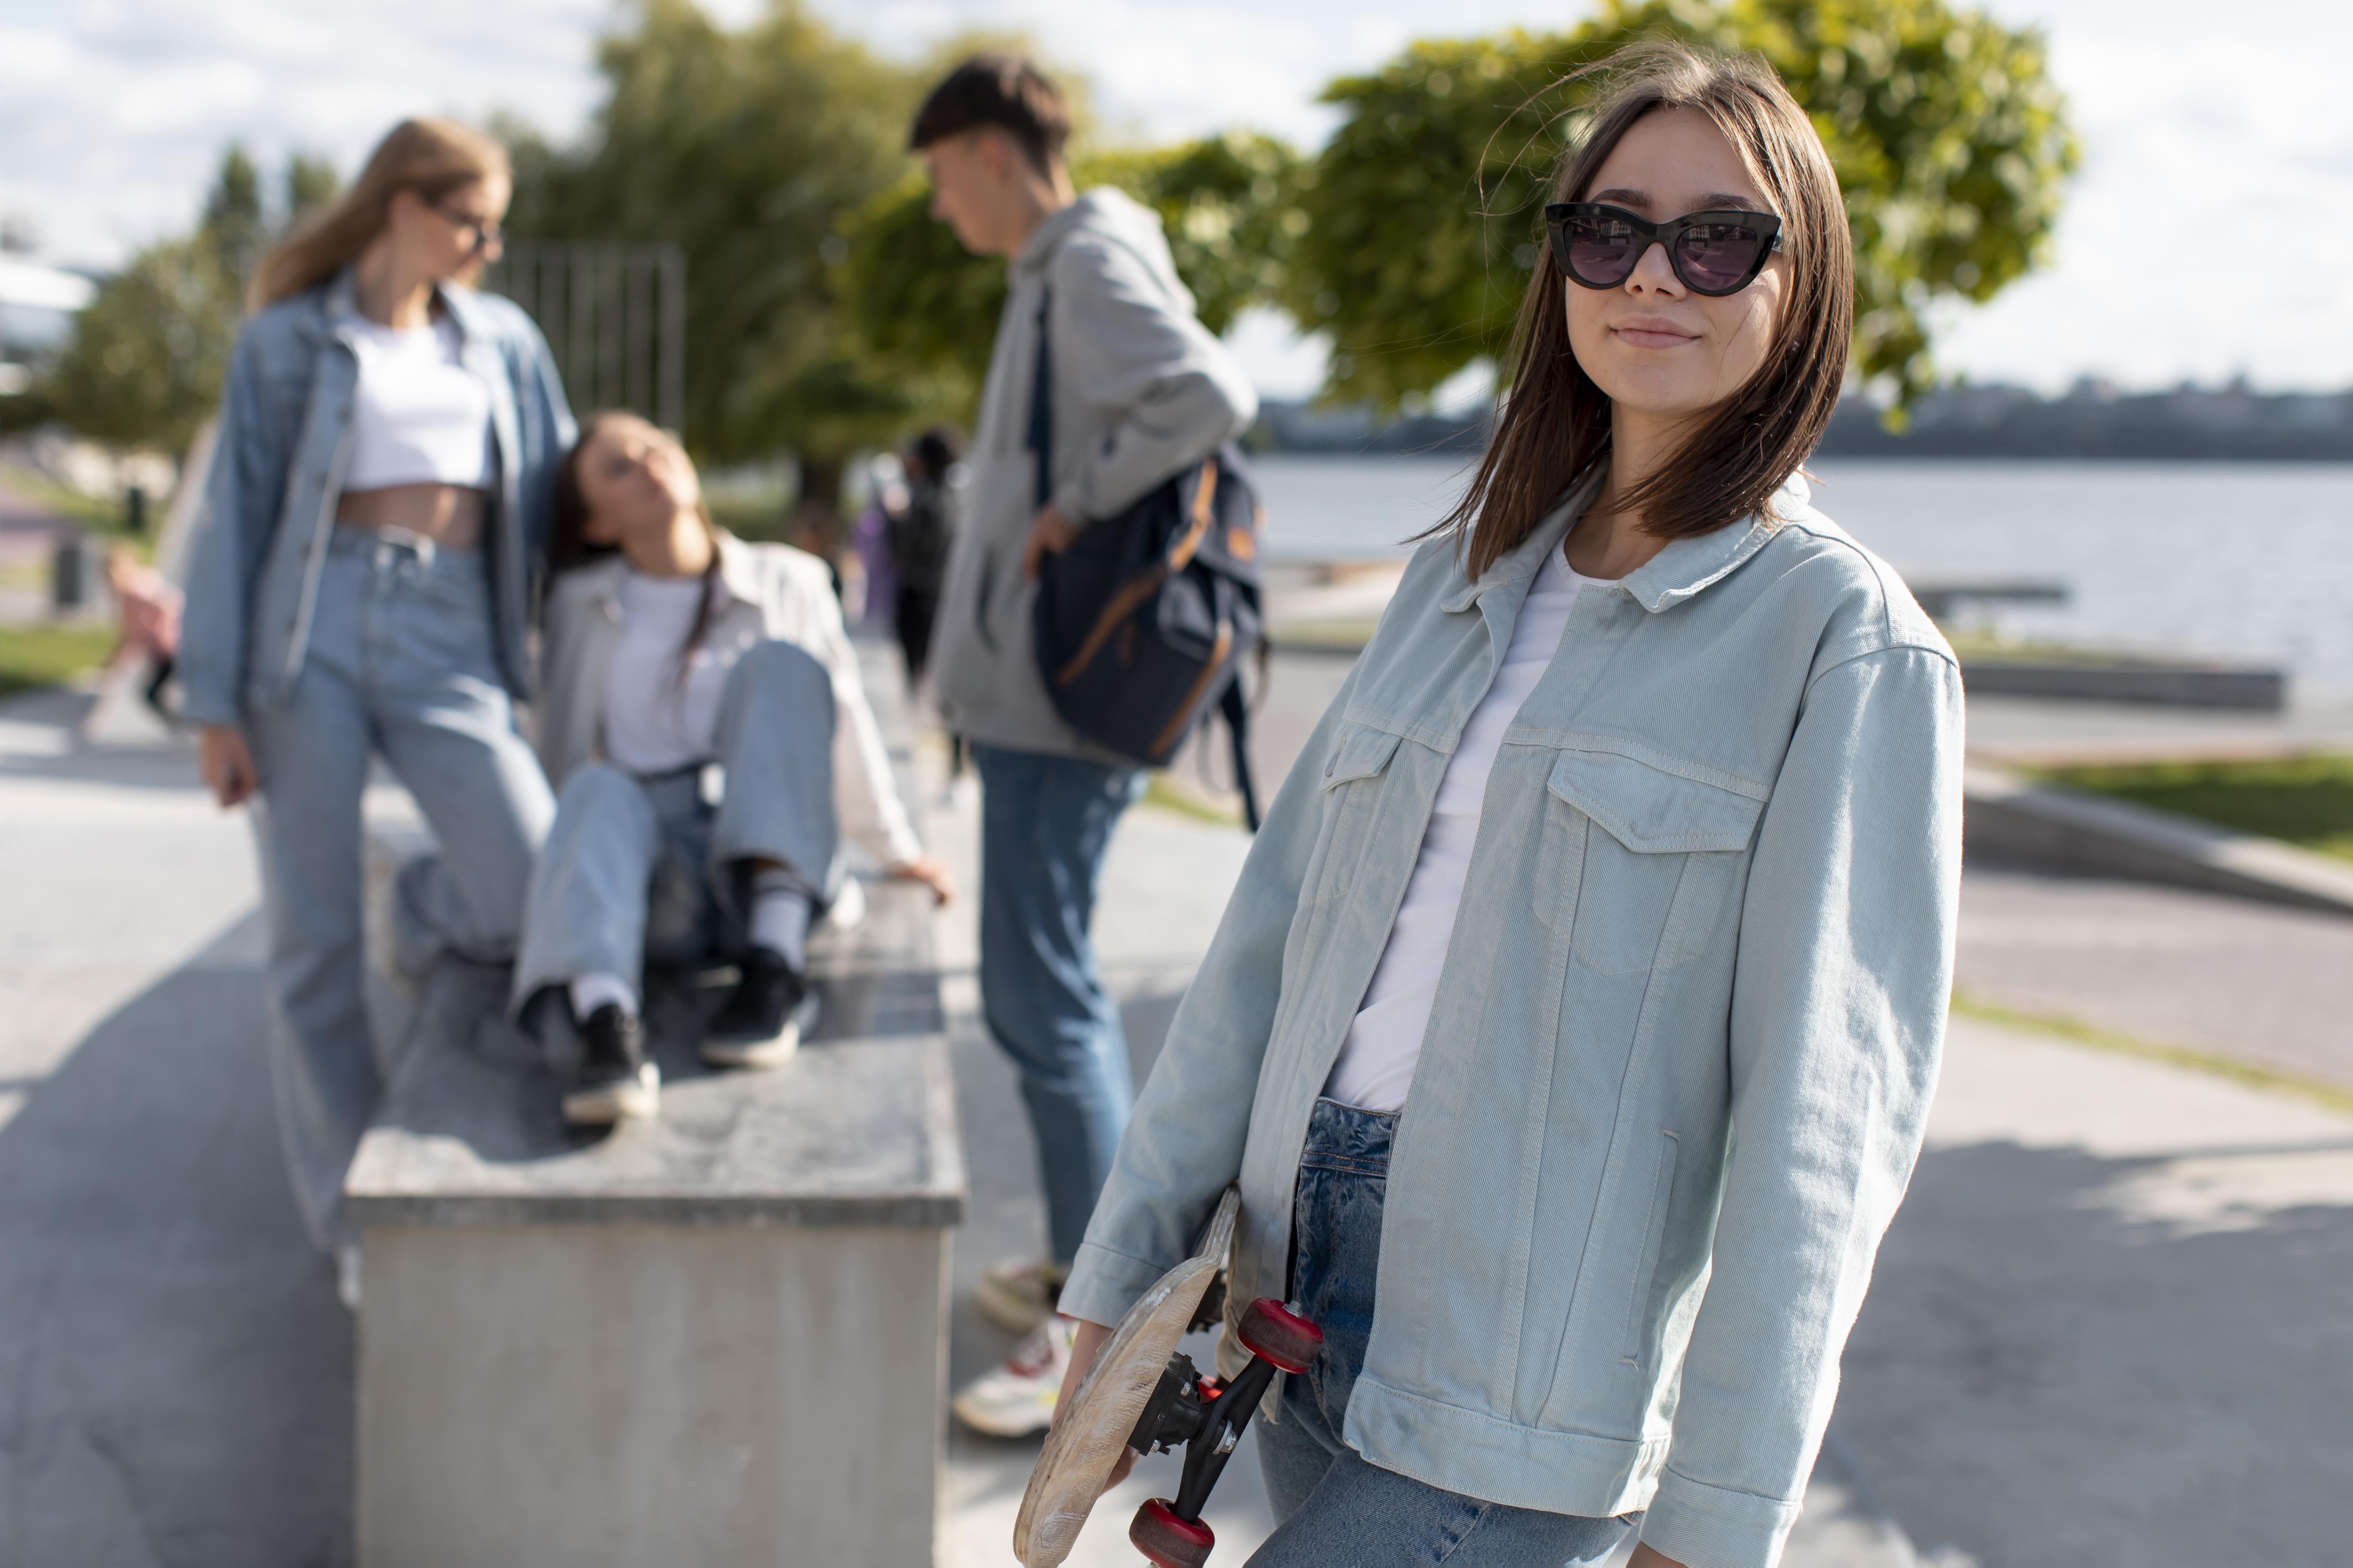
pixel 1571 1030
pixel 374 523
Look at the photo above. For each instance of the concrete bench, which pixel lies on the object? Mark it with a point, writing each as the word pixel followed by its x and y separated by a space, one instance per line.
pixel 718 1338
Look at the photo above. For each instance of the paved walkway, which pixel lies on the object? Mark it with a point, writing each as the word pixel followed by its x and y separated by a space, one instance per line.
pixel 2108 1328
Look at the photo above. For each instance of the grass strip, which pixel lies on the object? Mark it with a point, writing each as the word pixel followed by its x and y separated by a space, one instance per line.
pixel 2306 800
pixel 2075 1031
pixel 1159 792
pixel 38 655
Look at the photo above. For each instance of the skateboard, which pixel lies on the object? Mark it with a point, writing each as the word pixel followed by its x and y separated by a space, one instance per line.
pixel 1141 1394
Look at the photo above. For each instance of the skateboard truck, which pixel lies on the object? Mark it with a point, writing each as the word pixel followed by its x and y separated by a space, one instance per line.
pixel 1208 1419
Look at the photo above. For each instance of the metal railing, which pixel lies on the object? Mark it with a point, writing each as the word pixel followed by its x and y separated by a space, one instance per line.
pixel 613 314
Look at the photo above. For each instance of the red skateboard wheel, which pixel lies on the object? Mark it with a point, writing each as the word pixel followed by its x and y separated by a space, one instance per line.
pixel 1168 1541
pixel 1275 1334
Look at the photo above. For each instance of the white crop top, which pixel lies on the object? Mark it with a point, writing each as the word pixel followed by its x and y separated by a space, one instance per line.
pixel 419 416
pixel 1378 1058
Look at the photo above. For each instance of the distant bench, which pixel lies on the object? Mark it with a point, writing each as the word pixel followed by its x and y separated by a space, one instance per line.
pixel 716 1338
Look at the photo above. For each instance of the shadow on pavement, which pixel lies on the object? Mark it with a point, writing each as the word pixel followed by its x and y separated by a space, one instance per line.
pixel 2130 1361
pixel 175 1374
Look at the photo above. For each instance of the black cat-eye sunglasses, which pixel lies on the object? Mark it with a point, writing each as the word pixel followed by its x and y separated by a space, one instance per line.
pixel 1714 253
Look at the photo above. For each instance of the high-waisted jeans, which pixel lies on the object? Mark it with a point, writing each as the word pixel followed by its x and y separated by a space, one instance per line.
pixel 634 867
pixel 401 660
pixel 1336 1507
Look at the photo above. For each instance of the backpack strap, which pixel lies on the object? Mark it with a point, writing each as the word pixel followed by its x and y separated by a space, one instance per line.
pixel 1041 405
pixel 1237 715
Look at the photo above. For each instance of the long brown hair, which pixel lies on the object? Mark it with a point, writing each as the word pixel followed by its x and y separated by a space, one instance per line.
pixel 569 546
pixel 1554 423
pixel 432 157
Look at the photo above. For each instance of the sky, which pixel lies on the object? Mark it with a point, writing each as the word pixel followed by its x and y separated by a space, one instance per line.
pixel 2218 138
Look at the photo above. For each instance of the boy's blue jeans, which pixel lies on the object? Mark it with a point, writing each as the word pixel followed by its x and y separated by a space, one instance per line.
pixel 1334 1507
pixel 1046 822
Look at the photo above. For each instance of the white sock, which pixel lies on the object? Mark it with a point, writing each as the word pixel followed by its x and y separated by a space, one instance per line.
pixel 590 992
pixel 780 915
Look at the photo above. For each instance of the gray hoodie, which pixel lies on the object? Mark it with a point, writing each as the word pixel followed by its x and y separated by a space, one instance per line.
pixel 1141 391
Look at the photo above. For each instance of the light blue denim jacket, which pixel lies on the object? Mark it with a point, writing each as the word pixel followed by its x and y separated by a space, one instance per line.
pixel 278 470
pixel 1683 1042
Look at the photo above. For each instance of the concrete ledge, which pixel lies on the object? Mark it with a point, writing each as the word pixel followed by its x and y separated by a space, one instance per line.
pixel 860 1129
pixel 2013 819
pixel 716 1336
pixel 2177 686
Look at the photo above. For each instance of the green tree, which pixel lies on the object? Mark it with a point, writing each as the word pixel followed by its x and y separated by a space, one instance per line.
pixel 1951 143
pixel 747 149
pixel 311 183
pixel 148 354
pixel 234 225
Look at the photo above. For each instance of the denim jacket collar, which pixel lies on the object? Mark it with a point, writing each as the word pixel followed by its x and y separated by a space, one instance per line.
pixel 1686 567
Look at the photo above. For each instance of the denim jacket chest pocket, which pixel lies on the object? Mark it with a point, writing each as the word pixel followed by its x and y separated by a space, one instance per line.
pixel 1640 858
pixel 1350 788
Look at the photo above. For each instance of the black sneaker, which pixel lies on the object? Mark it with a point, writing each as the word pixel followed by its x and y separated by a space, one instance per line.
pixel 616 1080
pixel 761 1024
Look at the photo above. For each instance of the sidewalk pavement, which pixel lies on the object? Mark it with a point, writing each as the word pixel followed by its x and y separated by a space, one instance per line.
pixel 2108 1327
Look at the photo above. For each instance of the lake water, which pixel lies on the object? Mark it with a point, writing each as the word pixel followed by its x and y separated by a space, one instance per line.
pixel 2240 561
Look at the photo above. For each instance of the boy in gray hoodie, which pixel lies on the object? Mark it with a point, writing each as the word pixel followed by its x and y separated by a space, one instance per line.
pixel 1140 390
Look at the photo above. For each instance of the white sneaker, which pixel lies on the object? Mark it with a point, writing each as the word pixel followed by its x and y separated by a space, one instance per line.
pixel 1017 1398
pixel 1018 1297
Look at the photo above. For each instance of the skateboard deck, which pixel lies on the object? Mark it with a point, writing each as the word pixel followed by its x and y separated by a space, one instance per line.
pixel 1087 1438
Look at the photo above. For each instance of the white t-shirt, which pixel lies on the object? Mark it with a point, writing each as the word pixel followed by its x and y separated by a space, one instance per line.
pixel 1376 1059
pixel 419 415
pixel 655 723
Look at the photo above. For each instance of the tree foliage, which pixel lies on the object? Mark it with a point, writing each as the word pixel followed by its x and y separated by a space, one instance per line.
pixel 148 352
pixel 1951 144
pixel 747 149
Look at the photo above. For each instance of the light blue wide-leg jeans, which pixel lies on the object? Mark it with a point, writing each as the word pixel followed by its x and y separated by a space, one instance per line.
pixel 636 866
pixel 401 660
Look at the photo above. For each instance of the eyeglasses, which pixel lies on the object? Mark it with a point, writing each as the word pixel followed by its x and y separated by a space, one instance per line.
pixel 1714 253
pixel 486 229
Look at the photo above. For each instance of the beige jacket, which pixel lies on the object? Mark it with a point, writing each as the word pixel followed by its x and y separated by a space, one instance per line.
pixel 773 591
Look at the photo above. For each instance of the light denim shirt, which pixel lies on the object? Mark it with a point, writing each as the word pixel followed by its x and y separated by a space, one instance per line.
pixel 1712 894
pixel 278 472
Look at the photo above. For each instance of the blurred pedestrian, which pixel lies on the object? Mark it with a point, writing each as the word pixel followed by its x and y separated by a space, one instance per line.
pixel 367 554
pixel 919 532
pixel 147 624
pixel 1140 390
pixel 1572 1029
pixel 672 646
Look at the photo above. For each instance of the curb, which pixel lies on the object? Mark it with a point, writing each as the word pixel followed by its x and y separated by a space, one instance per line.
pixel 2011 819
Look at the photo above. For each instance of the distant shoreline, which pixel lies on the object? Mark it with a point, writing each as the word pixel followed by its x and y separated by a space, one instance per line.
pixel 2092 423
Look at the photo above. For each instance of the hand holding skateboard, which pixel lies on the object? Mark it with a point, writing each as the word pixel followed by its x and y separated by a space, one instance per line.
pixel 1140 1394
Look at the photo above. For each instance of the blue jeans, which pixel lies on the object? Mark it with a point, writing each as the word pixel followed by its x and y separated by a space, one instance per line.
pixel 1045 824
pixel 636 867
pixel 1334 1507
pixel 401 661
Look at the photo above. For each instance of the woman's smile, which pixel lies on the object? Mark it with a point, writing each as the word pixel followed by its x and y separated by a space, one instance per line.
pixel 1654 332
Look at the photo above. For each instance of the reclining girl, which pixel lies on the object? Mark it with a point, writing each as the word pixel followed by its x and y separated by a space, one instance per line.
pixel 701 718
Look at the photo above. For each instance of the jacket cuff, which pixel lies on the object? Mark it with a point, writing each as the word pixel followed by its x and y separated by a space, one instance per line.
pixel 1104 1284
pixel 207 708
pixel 1702 1525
